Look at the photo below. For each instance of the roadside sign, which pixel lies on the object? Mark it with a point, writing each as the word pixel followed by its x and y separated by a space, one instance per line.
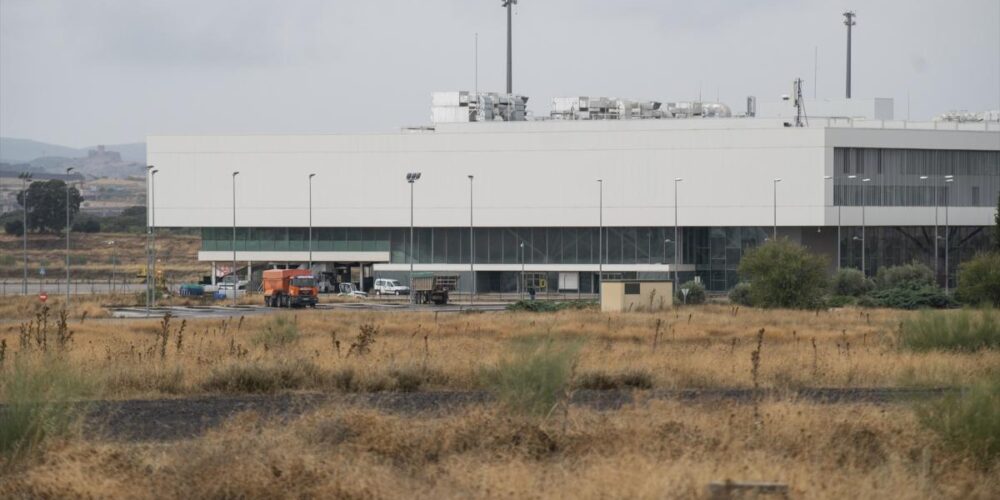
pixel 43 296
pixel 685 292
pixel 41 271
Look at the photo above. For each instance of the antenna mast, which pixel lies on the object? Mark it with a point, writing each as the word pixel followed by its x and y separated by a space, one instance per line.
pixel 801 119
pixel 849 22
pixel 510 79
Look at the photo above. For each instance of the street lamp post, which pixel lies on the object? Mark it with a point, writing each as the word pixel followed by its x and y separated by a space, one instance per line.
pixel 152 232
pixel 149 258
pixel 311 221
pixel 839 205
pixel 676 234
pixel 235 277
pixel 521 285
pixel 600 234
pixel 412 178
pixel 776 181
pixel 937 269
pixel 68 170
pixel 948 179
pixel 472 247
pixel 25 182
pixel 114 264
pixel 864 204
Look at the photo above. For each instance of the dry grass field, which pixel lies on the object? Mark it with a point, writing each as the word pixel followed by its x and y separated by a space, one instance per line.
pixel 648 449
pixel 91 256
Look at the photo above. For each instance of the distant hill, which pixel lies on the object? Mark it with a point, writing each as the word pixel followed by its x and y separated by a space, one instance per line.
pixel 25 150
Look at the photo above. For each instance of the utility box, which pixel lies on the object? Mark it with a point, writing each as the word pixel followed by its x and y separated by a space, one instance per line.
pixel 636 295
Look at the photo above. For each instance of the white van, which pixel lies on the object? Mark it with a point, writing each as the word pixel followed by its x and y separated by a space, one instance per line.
pixel 390 287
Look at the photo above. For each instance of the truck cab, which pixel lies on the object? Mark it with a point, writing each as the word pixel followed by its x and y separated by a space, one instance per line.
pixel 289 288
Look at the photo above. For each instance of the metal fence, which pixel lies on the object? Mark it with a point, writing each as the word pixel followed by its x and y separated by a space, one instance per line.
pixel 77 287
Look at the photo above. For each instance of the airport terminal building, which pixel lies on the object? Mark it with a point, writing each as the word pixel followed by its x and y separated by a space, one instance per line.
pixel 541 190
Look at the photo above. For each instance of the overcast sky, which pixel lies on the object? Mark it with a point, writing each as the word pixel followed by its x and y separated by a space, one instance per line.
pixel 82 72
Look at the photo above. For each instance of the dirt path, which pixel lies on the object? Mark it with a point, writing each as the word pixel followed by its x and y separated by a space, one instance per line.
pixel 171 419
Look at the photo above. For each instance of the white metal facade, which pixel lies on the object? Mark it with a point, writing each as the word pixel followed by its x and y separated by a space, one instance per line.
pixel 535 174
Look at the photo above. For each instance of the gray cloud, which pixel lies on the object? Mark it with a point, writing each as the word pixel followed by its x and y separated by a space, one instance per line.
pixel 78 73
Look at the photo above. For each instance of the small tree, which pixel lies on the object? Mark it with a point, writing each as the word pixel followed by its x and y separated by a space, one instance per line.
pixel 979 280
pixel 47 205
pixel 785 274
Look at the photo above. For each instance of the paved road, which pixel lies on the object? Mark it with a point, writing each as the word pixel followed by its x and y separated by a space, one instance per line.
pixel 170 419
pixel 217 311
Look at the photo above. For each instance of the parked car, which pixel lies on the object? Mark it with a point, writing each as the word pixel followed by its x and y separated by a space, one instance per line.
pixel 390 287
pixel 348 290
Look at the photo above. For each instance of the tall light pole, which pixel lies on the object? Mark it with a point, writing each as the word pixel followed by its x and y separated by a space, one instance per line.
pixel 775 185
pixel 114 264
pixel 839 205
pixel 311 221
pixel 472 247
pixel 25 182
pixel 849 22
pixel 948 179
pixel 149 265
pixel 676 234
pixel 152 232
pixel 522 283
pixel 864 204
pixel 412 178
pixel 235 277
pixel 937 268
pixel 509 4
pixel 68 171
pixel 600 234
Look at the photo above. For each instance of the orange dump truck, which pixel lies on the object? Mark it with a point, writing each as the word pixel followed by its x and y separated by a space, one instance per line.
pixel 289 288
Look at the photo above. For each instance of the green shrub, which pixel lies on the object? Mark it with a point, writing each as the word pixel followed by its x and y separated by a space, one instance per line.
pixel 740 294
pixel 14 227
pixel 914 275
pixel 551 305
pixel 785 274
pixel 86 224
pixel 851 283
pixel 844 300
pixel 40 401
pixel 979 280
pixel 904 297
pixel 955 331
pixel 968 422
pixel 534 376
pixel 280 331
pixel 696 293
pixel 869 302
